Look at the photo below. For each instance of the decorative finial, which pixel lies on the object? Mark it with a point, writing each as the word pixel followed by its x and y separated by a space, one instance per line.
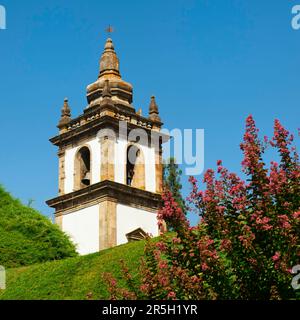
pixel 153 110
pixel 109 46
pixel 65 114
pixel 109 62
pixel 109 69
pixel 106 93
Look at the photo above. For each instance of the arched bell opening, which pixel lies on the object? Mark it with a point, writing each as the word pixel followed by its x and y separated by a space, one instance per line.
pixel 135 167
pixel 82 170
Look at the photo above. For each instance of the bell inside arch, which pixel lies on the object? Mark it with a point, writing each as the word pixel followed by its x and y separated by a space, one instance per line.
pixel 87 179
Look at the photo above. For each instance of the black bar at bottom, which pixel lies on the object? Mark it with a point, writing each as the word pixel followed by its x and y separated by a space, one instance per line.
pixel 145 309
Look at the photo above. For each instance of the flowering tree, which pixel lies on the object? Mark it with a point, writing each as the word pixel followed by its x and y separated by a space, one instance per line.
pixel 247 239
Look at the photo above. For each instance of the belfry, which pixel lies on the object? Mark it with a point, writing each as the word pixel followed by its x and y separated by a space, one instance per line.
pixel 110 164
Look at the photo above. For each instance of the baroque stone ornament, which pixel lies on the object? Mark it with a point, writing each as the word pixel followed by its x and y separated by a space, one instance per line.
pixel 65 114
pixel 153 110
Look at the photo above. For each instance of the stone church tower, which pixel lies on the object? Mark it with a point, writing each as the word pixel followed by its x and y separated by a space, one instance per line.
pixel 110 165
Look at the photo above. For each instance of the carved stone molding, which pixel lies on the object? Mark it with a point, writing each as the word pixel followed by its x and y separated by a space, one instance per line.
pixel 103 191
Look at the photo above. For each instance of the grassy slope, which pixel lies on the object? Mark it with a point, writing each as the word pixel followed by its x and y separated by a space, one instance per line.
pixel 28 237
pixel 72 278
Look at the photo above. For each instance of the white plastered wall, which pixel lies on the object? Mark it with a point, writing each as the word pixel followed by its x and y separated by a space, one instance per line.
pixel 83 228
pixel 120 160
pixel 130 219
pixel 149 154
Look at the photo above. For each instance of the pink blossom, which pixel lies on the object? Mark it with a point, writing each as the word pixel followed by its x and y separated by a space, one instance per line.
pixel 225 244
pixel 296 215
pixel 113 282
pixel 163 281
pixel 284 221
pixel 194 278
pixel 161 246
pixel 210 241
pixel 204 266
pixel 176 240
pixel 276 256
pixel 162 265
pixel 171 295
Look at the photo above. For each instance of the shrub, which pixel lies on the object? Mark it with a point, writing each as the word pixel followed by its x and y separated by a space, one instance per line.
pixel 247 239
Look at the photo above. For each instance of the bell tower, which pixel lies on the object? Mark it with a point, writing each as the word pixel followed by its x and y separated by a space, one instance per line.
pixel 110 164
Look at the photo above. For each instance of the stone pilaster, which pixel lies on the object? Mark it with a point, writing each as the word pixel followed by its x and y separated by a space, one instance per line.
pixel 159 171
pixel 107 224
pixel 107 158
pixel 59 221
pixel 61 177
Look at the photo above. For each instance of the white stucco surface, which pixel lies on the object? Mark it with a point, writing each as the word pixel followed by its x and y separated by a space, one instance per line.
pixel 129 219
pixel 120 160
pixel 83 228
pixel 69 169
pixel 95 147
pixel 149 154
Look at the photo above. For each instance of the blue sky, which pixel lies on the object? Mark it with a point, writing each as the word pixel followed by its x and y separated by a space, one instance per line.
pixel 209 63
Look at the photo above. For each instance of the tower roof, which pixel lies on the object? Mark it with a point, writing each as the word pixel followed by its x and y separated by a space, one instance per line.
pixel 109 62
pixel 109 96
pixel 121 90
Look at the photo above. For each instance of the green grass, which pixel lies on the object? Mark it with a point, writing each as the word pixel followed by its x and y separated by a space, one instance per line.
pixel 72 278
pixel 28 237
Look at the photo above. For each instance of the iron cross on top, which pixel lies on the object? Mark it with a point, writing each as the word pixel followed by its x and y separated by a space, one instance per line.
pixel 109 29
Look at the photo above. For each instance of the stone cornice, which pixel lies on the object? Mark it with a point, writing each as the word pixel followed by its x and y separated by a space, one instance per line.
pixel 115 108
pixel 106 117
pixel 115 92
pixel 98 192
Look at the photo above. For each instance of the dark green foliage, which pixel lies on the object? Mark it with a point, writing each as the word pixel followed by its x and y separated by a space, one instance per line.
pixel 172 181
pixel 27 237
